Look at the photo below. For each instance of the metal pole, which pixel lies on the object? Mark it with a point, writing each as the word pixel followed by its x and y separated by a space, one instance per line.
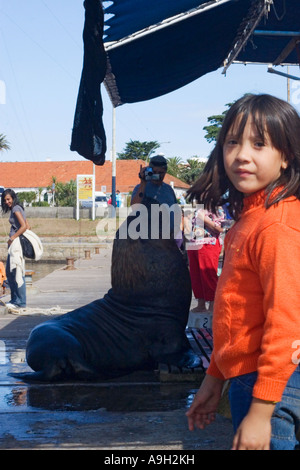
pixel 93 193
pixel 113 161
pixel 288 86
pixel 77 198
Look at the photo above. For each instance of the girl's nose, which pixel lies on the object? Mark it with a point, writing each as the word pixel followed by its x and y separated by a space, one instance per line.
pixel 243 153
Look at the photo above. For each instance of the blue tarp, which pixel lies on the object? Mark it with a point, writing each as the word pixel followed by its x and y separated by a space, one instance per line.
pixel 169 58
pixel 134 15
pixel 274 34
pixel 183 40
pixel 165 59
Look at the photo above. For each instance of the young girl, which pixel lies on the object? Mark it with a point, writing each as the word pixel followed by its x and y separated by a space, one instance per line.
pixel 256 319
pixel 19 224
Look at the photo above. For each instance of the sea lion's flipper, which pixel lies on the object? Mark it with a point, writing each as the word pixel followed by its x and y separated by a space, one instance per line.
pixel 185 359
pixel 39 376
pixel 190 360
pixel 54 372
pixel 62 369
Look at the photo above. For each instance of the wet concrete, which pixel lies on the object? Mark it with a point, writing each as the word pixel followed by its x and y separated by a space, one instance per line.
pixel 136 412
pixel 41 268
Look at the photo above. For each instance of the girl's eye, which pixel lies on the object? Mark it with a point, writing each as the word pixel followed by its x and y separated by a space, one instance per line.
pixel 231 142
pixel 259 144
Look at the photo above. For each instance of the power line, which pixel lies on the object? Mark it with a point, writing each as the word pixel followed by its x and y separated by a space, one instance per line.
pixel 20 121
pixel 41 47
pixel 61 24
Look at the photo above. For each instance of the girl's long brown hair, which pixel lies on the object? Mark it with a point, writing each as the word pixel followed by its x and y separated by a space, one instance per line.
pixel 14 196
pixel 270 115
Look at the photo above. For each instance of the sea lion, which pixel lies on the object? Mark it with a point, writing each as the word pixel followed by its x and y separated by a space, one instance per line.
pixel 139 323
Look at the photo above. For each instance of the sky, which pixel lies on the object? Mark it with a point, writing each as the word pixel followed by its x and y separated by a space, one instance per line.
pixel 41 56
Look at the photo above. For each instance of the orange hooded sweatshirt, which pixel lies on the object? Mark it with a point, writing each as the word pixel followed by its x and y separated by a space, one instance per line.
pixel 256 319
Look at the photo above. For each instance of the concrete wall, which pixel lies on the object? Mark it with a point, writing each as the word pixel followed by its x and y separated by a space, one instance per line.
pixel 62 248
pixel 61 212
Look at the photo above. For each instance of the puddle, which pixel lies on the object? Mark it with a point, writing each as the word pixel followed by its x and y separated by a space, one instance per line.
pixel 92 397
pixel 43 268
pixel 139 392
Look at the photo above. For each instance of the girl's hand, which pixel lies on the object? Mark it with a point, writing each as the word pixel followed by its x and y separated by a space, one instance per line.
pixel 203 409
pixel 254 432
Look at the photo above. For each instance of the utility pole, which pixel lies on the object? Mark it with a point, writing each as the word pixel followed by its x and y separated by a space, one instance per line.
pixel 113 160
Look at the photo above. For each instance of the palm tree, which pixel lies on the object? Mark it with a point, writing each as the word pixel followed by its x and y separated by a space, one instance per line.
pixel 191 172
pixel 4 145
pixel 195 164
pixel 174 166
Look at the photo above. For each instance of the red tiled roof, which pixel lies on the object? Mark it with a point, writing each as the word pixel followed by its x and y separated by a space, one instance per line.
pixel 39 174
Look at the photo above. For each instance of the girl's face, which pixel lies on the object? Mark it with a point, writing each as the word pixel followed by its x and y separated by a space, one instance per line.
pixel 8 200
pixel 250 163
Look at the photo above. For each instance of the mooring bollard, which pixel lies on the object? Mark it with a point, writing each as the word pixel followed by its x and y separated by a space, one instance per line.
pixel 87 254
pixel 30 288
pixel 70 264
pixel 28 278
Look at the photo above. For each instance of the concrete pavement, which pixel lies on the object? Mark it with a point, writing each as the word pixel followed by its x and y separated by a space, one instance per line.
pixel 137 412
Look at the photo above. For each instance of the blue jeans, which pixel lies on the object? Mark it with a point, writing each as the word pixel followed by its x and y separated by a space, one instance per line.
pixel 286 417
pixel 18 294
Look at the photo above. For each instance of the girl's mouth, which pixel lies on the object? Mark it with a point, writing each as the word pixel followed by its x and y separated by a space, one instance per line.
pixel 241 172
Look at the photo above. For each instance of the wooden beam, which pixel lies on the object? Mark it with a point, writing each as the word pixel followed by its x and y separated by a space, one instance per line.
pixel 287 50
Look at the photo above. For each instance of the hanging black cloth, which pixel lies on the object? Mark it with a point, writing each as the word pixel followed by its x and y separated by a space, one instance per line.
pixel 88 135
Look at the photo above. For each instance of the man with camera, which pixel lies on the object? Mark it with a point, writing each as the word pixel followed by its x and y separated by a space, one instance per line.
pixel 152 184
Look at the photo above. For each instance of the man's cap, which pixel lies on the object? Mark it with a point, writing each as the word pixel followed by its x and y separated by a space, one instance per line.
pixel 158 160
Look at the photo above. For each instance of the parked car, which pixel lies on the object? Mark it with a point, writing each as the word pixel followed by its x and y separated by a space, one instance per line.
pixel 100 201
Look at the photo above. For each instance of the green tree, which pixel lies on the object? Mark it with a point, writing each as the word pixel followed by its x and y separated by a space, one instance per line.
pixel 135 150
pixel 4 145
pixel 216 122
pixel 190 172
pixel 26 196
pixel 65 193
pixel 40 190
pixel 52 188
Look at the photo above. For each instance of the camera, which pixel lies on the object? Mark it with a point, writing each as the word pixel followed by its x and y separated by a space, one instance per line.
pixel 150 176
